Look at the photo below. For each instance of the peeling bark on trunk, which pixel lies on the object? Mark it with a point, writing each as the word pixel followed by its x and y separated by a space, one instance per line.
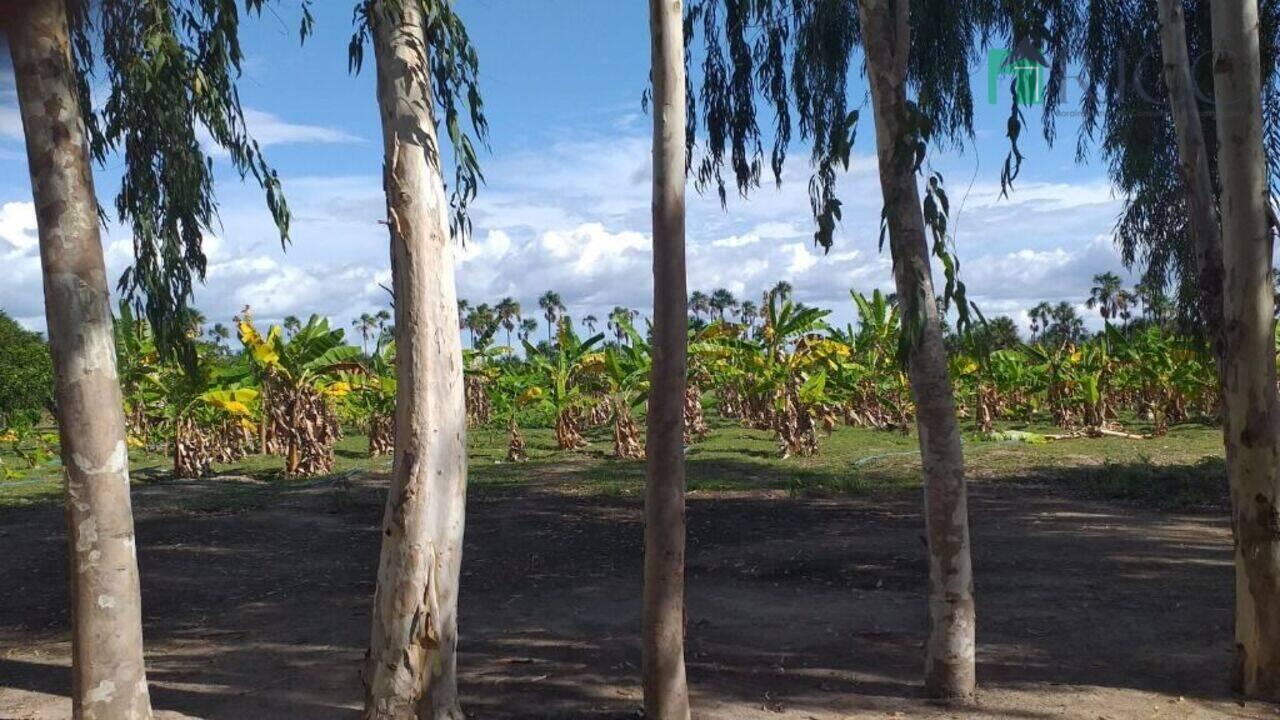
pixel 515 442
pixel 304 424
pixel 695 423
pixel 949 665
pixel 793 424
pixel 479 409
pixel 410 670
pixel 381 434
pixel 568 437
pixel 108 678
pixel 626 436
pixel 666 692
pixel 1250 373
pixel 1194 166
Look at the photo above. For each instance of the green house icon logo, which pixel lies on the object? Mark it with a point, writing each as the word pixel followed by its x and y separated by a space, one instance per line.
pixel 1028 68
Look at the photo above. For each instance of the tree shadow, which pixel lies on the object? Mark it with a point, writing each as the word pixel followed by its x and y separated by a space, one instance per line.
pixel 801 604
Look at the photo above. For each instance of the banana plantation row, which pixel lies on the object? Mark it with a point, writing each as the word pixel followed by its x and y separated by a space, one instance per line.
pixel 1197 215
pixel 292 388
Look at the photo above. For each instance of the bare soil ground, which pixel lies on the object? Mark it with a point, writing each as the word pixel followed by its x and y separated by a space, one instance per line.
pixel 798 609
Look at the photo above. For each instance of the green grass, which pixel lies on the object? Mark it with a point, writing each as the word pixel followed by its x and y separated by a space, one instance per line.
pixel 1181 470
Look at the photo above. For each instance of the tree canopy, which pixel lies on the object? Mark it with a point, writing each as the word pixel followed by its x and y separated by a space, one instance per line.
pixel 26 374
pixel 171 69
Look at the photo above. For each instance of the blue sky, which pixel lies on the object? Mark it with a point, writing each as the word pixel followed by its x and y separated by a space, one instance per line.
pixel 566 205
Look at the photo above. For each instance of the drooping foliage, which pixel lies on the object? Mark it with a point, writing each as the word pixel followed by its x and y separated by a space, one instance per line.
pixel 1113 49
pixel 454 68
pixel 794 57
pixel 171 68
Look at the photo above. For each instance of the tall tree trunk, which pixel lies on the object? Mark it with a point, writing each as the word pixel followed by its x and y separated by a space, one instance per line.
pixel 1194 166
pixel 666 692
pixel 1250 370
pixel 108 678
pixel 949 668
pixel 411 665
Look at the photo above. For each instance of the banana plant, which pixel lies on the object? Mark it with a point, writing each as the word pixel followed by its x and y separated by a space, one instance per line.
pixel 883 397
pixel 210 413
pixel 1164 375
pixel 1053 363
pixel 562 373
pixel 140 371
pixel 302 376
pixel 625 374
pixel 518 389
pixel 480 370
pixel 372 398
pixel 792 371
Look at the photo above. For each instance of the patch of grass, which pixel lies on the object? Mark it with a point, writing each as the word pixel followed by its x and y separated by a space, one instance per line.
pixel 1182 469
pixel 1199 486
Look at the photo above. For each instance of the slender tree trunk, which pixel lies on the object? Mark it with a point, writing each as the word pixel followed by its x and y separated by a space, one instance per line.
pixel 1250 369
pixel 108 678
pixel 1194 166
pixel 666 692
pixel 949 670
pixel 411 665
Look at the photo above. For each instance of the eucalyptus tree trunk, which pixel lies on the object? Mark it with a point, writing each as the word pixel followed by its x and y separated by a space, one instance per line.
pixel 108 678
pixel 949 665
pixel 411 664
pixel 1193 164
pixel 1250 369
pixel 666 692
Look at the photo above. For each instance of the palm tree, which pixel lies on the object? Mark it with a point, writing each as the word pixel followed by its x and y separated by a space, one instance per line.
pixel 1040 318
pixel 484 323
pixel 747 313
pixel 193 320
pixel 1156 305
pixel 366 325
pixel 528 326
pixel 508 311
pixel 590 321
pixel 292 324
pixel 1065 325
pixel 619 318
pixel 782 290
pixel 722 300
pixel 552 306
pixel 699 303
pixel 1108 296
pixel 221 334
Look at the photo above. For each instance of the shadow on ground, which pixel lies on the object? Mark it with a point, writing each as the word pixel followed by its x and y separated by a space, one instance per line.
pixel 813 605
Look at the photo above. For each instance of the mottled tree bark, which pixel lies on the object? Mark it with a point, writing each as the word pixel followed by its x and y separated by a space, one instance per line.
pixel 949 665
pixel 666 692
pixel 411 665
pixel 108 678
pixel 1250 373
pixel 1193 164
